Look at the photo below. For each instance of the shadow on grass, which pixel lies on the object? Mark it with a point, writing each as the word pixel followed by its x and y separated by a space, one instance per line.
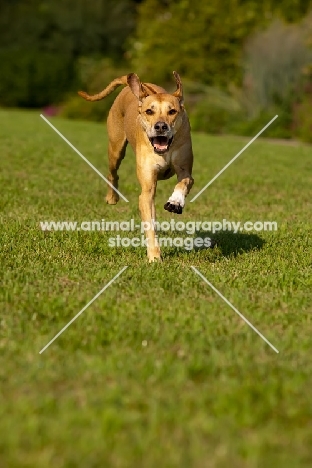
pixel 226 244
pixel 234 244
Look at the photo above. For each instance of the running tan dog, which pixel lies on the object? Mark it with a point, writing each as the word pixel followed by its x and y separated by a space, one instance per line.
pixel 156 125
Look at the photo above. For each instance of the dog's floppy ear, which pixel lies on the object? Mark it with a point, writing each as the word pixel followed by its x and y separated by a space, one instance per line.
pixel 179 91
pixel 136 86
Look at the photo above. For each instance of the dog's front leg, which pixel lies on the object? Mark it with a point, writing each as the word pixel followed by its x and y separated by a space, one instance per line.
pixel 148 181
pixel 176 202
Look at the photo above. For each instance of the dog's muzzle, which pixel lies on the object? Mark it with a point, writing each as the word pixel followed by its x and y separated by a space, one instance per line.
pixel 160 143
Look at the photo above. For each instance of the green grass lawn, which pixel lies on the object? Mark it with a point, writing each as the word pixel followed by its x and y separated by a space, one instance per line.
pixel 158 371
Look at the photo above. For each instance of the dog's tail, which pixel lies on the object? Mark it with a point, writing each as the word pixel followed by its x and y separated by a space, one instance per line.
pixel 122 80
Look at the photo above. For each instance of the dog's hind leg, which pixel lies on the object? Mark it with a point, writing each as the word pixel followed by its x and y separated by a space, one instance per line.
pixel 116 152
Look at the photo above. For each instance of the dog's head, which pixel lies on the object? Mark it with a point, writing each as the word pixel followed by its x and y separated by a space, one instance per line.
pixel 160 113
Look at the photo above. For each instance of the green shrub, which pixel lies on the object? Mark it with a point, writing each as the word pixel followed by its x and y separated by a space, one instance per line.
pixel 212 110
pixel 202 40
pixel 303 120
pixel 250 126
pixel 76 108
pixel 93 75
pixel 32 78
pixel 274 64
pixel 274 82
pixel 41 40
pixel 211 118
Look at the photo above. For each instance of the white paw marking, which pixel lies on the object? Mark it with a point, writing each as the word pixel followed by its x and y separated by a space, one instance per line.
pixel 177 198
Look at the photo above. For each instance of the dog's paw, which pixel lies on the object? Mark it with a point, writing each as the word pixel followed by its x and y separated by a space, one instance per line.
pixel 155 260
pixel 175 203
pixel 173 207
pixel 153 255
pixel 112 199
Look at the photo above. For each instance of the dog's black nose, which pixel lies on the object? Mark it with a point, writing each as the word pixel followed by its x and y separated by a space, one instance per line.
pixel 161 127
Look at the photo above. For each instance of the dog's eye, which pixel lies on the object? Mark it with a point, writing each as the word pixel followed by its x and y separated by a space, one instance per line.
pixel 172 112
pixel 149 112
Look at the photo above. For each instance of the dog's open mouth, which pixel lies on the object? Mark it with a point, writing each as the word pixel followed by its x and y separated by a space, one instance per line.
pixel 161 144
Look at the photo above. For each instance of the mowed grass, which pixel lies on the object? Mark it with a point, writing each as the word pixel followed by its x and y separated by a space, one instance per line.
pixel 158 371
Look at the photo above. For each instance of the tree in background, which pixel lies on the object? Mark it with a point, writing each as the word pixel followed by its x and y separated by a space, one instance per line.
pixel 41 41
pixel 202 40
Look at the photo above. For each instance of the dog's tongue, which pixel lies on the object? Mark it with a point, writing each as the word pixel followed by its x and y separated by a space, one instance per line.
pixel 160 143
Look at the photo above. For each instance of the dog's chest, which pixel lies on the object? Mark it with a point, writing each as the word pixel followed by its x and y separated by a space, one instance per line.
pixel 164 165
pixel 163 162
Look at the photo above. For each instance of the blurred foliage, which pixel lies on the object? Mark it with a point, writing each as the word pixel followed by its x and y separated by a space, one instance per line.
pixel 93 75
pixel 34 78
pixel 204 40
pixel 302 115
pixel 274 64
pixel 280 128
pixel 277 80
pixel 241 61
pixel 41 40
pixel 75 27
pixel 210 109
pixel 303 122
